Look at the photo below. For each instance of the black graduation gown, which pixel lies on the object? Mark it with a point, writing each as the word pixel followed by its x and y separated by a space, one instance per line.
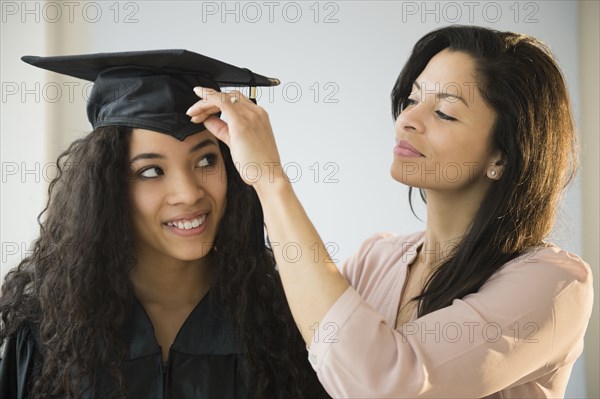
pixel 205 360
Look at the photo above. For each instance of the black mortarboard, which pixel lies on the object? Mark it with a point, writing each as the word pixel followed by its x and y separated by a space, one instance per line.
pixel 148 89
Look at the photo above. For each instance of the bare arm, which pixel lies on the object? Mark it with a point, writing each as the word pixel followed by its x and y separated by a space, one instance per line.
pixel 451 352
pixel 312 285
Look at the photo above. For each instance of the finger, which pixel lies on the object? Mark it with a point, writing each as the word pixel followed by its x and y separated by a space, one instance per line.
pixel 199 119
pixel 222 100
pixel 209 95
pixel 218 128
pixel 204 92
pixel 239 96
pixel 202 115
pixel 202 107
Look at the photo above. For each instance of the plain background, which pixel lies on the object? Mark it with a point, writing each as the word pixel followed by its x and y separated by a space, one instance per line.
pixel 337 61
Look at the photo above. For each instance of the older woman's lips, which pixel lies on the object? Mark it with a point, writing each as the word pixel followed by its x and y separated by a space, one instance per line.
pixel 404 149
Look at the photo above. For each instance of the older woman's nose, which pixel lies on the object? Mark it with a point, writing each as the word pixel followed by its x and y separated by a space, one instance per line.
pixel 411 118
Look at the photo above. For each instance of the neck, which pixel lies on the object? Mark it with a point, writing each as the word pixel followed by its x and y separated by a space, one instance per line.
pixel 449 215
pixel 170 283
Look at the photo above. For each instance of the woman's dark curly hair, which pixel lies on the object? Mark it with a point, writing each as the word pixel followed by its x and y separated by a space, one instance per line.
pixel 75 286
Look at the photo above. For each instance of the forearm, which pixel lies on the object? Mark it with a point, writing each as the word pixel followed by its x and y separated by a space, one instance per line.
pixel 310 279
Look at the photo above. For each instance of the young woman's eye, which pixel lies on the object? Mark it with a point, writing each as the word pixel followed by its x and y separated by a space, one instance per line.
pixel 207 160
pixel 151 172
pixel 445 117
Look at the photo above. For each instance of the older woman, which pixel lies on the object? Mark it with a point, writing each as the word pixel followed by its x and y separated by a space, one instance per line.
pixel 478 304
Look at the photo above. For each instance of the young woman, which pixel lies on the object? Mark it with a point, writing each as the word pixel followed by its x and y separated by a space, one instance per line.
pixel 479 304
pixel 150 278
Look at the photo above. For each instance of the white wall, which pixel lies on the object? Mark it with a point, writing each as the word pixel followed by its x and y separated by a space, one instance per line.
pixel 23 113
pixel 337 62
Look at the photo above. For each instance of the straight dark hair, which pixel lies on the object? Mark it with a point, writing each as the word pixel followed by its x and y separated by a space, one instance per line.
pixel 520 80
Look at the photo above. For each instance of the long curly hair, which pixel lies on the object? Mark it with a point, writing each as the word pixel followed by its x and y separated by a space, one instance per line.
pixel 75 286
pixel 520 80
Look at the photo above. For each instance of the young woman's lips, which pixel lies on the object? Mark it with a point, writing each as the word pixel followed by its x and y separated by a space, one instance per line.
pixel 404 149
pixel 188 227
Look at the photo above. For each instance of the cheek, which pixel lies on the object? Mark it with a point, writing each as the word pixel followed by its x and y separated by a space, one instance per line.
pixel 460 146
pixel 217 186
pixel 143 203
pixel 449 146
pixel 221 196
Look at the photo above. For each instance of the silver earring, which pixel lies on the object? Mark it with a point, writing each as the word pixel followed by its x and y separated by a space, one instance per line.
pixel 493 173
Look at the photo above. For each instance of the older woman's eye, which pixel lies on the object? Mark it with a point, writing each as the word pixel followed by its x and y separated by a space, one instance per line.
pixel 409 102
pixel 444 116
pixel 150 172
pixel 207 160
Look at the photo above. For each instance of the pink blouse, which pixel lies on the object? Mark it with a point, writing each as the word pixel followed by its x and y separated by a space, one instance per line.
pixel 517 337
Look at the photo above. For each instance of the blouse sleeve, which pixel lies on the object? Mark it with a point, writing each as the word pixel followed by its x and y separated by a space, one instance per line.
pixel 528 319
pixel 17 364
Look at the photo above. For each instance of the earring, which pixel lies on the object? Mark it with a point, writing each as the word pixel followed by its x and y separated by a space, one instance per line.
pixel 493 172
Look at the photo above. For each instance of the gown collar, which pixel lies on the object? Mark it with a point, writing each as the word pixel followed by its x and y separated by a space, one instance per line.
pixel 207 330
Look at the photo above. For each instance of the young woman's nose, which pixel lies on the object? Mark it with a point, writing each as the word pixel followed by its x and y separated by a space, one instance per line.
pixel 185 188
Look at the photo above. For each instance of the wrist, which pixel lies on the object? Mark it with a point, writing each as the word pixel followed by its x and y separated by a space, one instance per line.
pixel 272 183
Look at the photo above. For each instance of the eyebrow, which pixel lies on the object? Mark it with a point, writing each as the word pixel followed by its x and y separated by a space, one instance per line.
pixel 443 95
pixel 154 155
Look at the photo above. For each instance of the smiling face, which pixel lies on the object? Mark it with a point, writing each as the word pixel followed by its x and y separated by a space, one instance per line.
pixel 443 134
pixel 177 192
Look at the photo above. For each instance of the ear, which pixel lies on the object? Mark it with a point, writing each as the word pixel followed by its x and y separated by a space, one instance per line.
pixel 496 166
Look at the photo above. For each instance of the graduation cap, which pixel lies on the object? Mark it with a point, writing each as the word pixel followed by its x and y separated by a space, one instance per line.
pixel 149 89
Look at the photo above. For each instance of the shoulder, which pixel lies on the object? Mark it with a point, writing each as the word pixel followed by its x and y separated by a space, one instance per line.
pixel 550 267
pixel 20 360
pixel 547 286
pixel 26 337
pixel 380 252
pixel 26 330
pixel 547 290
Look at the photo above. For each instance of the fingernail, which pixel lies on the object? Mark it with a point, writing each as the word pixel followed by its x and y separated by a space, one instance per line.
pixel 188 111
pixel 198 90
